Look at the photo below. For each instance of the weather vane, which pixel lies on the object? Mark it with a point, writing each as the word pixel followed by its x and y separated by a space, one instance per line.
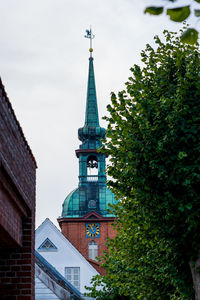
pixel 90 35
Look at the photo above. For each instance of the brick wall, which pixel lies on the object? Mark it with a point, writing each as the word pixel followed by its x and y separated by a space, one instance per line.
pixel 15 153
pixel 17 267
pixel 17 207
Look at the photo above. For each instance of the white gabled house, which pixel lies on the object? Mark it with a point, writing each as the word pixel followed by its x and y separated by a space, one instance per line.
pixel 63 256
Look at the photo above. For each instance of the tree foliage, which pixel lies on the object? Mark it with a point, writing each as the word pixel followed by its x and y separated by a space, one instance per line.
pixel 153 140
pixel 179 14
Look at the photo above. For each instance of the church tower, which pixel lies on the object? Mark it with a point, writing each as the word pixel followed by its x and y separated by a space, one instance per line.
pixel 86 221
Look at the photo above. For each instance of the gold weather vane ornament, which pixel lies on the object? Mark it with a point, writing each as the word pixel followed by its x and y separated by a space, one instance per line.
pixel 90 35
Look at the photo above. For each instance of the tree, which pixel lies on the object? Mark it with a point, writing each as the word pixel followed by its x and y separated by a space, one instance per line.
pixel 179 14
pixel 153 140
pixel 139 265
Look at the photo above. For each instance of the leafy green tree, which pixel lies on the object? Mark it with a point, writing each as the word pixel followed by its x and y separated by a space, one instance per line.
pixel 179 14
pixel 139 264
pixel 153 140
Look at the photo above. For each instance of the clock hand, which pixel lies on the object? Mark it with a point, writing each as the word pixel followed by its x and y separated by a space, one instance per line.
pixel 91 228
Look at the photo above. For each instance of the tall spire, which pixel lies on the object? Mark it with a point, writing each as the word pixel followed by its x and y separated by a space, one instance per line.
pixel 91 133
pixel 91 114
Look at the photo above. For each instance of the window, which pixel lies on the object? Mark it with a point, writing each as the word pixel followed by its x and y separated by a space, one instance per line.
pixel 47 245
pixel 73 276
pixel 92 166
pixel 93 250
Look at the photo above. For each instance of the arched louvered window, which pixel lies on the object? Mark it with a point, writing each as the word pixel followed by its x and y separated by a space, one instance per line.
pixel 92 250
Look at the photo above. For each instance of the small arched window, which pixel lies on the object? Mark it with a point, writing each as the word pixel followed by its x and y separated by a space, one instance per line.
pixel 92 250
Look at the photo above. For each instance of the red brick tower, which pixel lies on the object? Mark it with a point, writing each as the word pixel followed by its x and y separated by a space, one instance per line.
pixel 86 221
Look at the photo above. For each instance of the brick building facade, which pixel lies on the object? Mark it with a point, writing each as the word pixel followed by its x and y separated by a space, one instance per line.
pixel 17 207
pixel 74 231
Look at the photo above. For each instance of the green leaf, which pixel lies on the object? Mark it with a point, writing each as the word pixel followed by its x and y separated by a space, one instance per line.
pixel 181 208
pixel 154 10
pixel 197 12
pixel 190 36
pixel 189 206
pixel 182 155
pixel 197 1
pixel 179 14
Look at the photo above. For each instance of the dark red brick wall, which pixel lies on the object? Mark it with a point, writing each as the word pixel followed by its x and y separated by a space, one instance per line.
pixel 75 233
pixel 17 267
pixel 15 153
pixel 17 207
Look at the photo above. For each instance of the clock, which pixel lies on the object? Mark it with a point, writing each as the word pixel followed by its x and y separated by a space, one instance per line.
pixel 92 230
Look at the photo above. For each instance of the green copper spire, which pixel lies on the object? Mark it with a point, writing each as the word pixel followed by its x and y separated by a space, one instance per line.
pixel 92 193
pixel 91 133
pixel 91 114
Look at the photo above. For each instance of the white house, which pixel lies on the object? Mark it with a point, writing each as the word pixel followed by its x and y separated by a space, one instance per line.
pixel 63 256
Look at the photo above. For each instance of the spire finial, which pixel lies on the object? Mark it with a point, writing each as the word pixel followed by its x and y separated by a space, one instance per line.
pixel 90 35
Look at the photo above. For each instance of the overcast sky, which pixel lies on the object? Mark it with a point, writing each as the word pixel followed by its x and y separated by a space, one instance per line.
pixel 44 68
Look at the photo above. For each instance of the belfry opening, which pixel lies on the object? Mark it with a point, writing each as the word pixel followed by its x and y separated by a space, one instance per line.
pixel 92 167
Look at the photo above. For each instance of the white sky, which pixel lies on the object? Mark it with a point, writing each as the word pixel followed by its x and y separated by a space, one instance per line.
pixel 44 68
